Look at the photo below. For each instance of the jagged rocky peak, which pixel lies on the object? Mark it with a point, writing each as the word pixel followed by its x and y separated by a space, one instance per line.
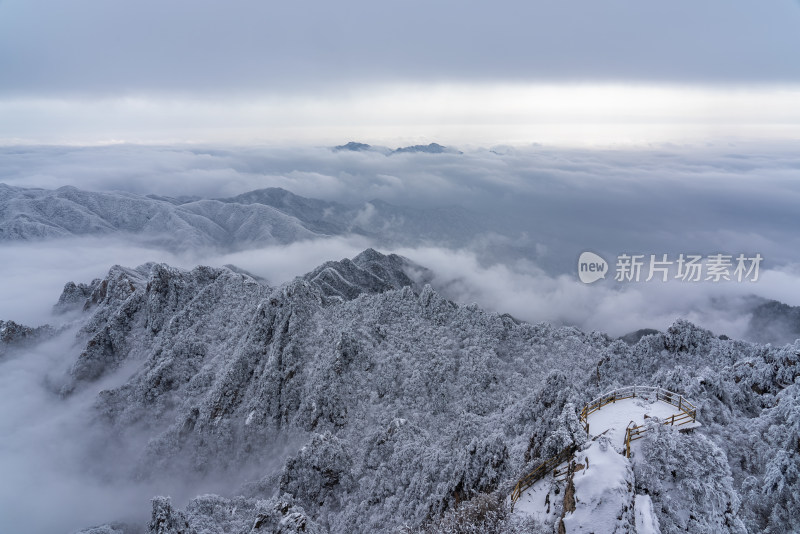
pixel 131 307
pixel 369 272
pixel 164 288
pixel 155 297
pixel 76 296
pixel 119 283
pixel 13 334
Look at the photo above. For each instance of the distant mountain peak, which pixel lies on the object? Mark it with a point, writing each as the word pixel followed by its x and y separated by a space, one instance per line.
pixel 353 147
pixel 431 148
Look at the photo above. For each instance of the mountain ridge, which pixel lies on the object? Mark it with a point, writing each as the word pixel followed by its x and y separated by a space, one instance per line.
pixel 270 216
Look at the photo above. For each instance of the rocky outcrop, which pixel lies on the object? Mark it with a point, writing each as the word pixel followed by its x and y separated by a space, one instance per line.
pixel 167 520
pixel 211 513
pixel 369 272
pixel 14 335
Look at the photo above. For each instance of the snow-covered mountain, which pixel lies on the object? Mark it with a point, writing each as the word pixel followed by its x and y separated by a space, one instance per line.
pixel 27 214
pixel 354 399
pixel 263 217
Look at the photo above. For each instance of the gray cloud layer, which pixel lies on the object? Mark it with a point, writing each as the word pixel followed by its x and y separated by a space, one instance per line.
pixel 555 202
pixel 91 47
pixel 547 206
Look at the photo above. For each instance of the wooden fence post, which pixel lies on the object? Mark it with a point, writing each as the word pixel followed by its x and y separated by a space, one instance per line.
pixel 628 443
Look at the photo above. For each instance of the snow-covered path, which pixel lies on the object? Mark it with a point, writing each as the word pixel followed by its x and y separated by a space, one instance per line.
pixel 614 418
pixel 603 479
pixel 602 482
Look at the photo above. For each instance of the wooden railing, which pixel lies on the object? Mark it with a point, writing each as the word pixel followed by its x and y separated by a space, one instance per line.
pixel 646 392
pixel 634 431
pixel 548 466
pixel 688 414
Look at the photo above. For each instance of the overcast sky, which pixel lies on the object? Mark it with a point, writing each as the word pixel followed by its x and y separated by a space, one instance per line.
pixel 96 47
pixel 89 71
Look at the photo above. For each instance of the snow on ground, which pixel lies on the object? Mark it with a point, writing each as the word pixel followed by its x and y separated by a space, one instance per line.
pixel 542 501
pixel 602 490
pixel 603 478
pixel 614 418
pixel 646 520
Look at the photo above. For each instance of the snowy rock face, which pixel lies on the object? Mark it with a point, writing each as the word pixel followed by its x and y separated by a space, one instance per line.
pixel 351 400
pixel 348 364
pixel 77 296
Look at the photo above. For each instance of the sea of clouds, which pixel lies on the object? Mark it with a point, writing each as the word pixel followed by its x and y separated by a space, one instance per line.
pixel 545 206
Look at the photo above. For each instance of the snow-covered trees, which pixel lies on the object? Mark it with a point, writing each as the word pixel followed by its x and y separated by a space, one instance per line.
pixel 689 482
pixel 774 464
pixel 372 406
pixel 210 514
